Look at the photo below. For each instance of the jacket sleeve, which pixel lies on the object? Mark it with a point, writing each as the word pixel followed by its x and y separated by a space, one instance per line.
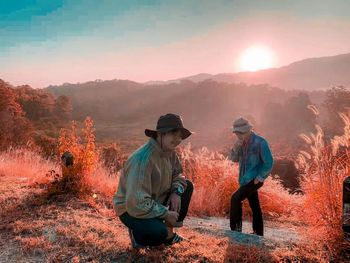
pixel 178 180
pixel 267 161
pixel 139 202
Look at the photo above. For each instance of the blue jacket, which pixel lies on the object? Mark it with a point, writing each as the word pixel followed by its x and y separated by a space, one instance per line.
pixel 255 159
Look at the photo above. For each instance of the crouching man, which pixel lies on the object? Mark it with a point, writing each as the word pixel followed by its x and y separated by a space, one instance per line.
pixel 153 196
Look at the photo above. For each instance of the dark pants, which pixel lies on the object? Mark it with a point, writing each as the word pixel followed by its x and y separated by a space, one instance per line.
pixel 153 231
pixel 249 191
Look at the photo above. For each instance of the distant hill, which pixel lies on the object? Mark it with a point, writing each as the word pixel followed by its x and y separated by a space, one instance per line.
pixel 208 103
pixel 116 99
pixel 195 78
pixel 123 109
pixel 93 97
pixel 308 74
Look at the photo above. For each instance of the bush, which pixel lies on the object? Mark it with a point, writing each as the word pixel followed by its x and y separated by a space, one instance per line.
pixel 85 160
pixel 216 178
pixel 46 145
pixel 112 157
pixel 325 168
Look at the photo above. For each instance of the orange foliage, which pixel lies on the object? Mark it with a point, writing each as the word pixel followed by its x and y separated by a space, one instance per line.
pixel 112 157
pixel 85 159
pixel 46 145
pixel 84 151
pixel 215 179
pixel 325 168
pixel 26 166
pixel 15 129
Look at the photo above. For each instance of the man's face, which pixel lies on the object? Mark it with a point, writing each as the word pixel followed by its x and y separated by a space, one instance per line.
pixel 171 140
pixel 242 136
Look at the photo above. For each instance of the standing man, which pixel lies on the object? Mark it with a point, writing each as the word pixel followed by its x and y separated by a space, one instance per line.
pixel 255 164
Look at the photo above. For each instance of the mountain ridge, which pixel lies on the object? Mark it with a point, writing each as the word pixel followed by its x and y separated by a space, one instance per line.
pixel 330 71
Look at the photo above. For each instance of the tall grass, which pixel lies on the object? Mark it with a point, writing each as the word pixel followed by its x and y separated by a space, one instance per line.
pixel 25 165
pixel 216 178
pixel 88 176
pixel 325 166
pixel 29 167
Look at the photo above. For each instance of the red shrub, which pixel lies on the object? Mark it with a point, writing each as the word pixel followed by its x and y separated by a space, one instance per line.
pixel 216 178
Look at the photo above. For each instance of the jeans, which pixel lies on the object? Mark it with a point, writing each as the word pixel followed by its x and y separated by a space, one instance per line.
pixel 153 231
pixel 249 191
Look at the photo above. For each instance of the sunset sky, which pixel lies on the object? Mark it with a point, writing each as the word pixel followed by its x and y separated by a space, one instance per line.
pixel 52 42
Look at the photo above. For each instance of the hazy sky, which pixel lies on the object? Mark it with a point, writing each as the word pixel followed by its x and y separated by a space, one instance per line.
pixel 45 42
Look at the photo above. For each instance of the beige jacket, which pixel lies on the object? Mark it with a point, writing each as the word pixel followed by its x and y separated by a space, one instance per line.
pixel 146 181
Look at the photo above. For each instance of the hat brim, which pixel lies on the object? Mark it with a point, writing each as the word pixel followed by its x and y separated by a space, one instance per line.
pixel 152 133
pixel 243 129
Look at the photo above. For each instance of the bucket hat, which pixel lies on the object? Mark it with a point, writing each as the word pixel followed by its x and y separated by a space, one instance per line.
pixel 169 122
pixel 241 125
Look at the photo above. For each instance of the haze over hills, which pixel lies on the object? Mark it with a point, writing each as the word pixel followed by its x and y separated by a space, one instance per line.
pixel 123 108
pixel 308 74
pixel 207 107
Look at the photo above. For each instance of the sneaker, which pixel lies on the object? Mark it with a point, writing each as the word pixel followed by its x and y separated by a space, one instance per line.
pixel 255 233
pixel 134 244
pixel 175 239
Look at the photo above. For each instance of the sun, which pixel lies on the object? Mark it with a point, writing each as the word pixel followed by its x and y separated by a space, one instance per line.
pixel 256 58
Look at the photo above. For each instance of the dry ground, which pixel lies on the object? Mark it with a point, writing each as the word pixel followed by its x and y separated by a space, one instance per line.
pixel 69 229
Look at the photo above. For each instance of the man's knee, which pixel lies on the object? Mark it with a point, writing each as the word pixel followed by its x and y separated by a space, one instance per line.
pixel 154 236
pixel 235 198
pixel 160 233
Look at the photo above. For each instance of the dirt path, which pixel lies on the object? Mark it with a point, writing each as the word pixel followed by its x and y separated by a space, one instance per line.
pixel 274 236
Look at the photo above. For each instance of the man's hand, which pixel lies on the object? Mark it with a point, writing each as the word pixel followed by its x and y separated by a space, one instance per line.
pixel 171 218
pixel 174 202
pixel 238 144
pixel 256 181
pixel 235 151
